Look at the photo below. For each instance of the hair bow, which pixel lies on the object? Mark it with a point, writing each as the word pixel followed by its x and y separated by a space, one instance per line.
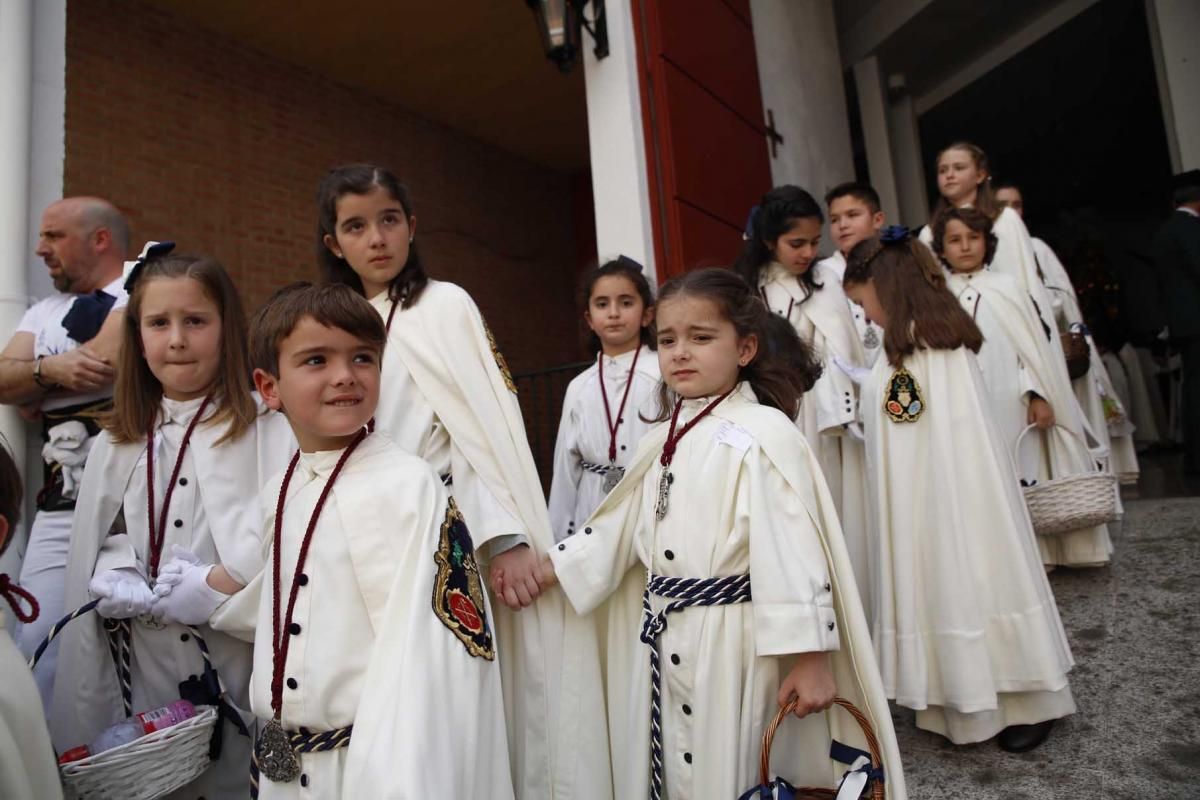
pixel 895 234
pixel 748 233
pixel 133 269
pixel 629 262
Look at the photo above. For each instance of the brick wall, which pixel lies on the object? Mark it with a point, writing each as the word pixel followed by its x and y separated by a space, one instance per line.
pixel 205 141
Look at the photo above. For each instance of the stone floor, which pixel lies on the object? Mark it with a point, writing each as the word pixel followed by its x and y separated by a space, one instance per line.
pixel 1134 628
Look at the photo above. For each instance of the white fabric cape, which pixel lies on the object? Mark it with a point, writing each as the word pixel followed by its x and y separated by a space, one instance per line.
pixel 87 698
pixel 966 614
pixel 27 764
pixel 444 344
pixel 853 664
pixel 1064 450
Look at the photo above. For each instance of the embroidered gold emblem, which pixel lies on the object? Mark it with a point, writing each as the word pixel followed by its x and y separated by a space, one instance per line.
pixel 500 360
pixel 458 597
pixel 904 402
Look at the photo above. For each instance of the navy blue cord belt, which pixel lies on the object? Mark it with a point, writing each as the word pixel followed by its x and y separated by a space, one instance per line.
pixel 303 741
pixel 683 593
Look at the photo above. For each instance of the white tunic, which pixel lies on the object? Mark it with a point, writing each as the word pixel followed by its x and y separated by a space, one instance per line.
pixel 1016 358
pixel 213 513
pixel 828 409
pixel 967 631
pixel 27 764
pixel 369 651
pixel 734 508
pixel 869 334
pixel 584 435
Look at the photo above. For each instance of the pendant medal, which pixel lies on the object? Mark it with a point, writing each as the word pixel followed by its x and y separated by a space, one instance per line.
pixel 612 476
pixel 664 489
pixel 277 761
pixel 871 339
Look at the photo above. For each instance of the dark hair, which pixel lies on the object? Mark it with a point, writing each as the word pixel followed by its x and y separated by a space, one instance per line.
pixel 625 268
pixel 1185 194
pixel 11 493
pixel 137 394
pixel 863 192
pixel 408 284
pixel 784 367
pixel 974 219
pixel 777 212
pixel 911 287
pixel 332 305
pixel 985 198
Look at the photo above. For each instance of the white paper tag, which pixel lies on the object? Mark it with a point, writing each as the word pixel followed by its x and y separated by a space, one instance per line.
pixel 735 436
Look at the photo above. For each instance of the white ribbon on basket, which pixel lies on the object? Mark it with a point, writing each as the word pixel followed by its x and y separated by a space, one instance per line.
pixel 855 781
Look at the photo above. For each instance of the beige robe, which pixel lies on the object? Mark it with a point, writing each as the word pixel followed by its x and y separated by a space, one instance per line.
pixel 27 765
pixel 427 713
pixel 747 497
pixel 549 656
pixel 830 408
pixel 967 631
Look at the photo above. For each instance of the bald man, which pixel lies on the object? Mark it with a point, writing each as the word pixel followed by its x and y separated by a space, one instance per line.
pixel 58 368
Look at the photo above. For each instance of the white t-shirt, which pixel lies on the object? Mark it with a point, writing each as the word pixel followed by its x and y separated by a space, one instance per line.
pixel 44 320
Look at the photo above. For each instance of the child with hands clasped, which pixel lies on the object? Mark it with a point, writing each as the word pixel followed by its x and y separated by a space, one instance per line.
pixel 723 491
pixel 1022 373
pixel 371 627
pixel 174 479
pixel 967 631
pixel 603 415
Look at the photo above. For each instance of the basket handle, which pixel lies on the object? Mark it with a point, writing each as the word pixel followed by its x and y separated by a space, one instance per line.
pixel 1028 428
pixel 764 764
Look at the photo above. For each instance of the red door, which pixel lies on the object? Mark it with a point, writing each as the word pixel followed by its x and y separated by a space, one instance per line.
pixel 705 139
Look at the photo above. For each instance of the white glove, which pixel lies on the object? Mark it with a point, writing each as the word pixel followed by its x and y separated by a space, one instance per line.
pixel 856 374
pixel 182 593
pixel 123 593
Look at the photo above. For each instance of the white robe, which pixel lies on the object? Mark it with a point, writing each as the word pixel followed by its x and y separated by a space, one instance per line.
pixel 213 513
pixel 1113 429
pixel 747 497
pixel 27 765
pixel 584 436
pixel 443 345
pixel 1016 358
pixel 870 335
pixel 831 406
pixel 428 715
pixel 967 631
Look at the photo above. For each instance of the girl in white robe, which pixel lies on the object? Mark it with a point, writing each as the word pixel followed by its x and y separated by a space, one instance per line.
pixel 183 370
pixel 448 397
pixel 779 259
pixel 967 632
pixel 740 498
pixel 1017 366
pixel 606 406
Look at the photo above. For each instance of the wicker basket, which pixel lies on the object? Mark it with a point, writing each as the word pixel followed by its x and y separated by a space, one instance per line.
pixel 1072 502
pixel 146 768
pixel 875 788
pixel 1077 354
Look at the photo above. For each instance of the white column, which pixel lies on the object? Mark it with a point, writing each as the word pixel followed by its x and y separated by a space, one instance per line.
pixel 620 188
pixel 800 73
pixel 873 108
pixel 906 154
pixel 16 68
pixel 1174 34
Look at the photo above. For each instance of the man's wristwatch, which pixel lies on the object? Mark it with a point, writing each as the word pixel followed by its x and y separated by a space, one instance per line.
pixel 37 375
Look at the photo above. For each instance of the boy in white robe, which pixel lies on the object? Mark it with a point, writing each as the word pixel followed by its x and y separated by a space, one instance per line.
pixel 1020 370
pixel 855 214
pixel 968 633
pixel 27 767
pixel 383 680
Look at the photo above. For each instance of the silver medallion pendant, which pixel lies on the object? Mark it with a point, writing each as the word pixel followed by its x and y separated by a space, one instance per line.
pixel 612 476
pixel 664 490
pixel 871 338
pixel 277 761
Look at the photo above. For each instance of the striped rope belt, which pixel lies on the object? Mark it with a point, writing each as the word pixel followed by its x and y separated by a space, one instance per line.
pixel 683 593
pixel 600 469
pixel 304 741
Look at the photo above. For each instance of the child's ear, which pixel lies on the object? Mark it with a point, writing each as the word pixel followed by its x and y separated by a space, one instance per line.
pixel 647 316
pixel 878 219
pixel 331 245
pixel 268 387
pixel 587 317
pixel 747 349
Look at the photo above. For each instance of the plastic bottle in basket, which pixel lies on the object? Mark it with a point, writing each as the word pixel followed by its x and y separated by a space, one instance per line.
pixel 142 724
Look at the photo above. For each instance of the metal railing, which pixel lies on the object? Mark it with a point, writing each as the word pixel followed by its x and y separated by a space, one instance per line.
pixel 540 393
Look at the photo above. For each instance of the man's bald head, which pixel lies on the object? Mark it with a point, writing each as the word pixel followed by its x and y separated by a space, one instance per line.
pixel 84 242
